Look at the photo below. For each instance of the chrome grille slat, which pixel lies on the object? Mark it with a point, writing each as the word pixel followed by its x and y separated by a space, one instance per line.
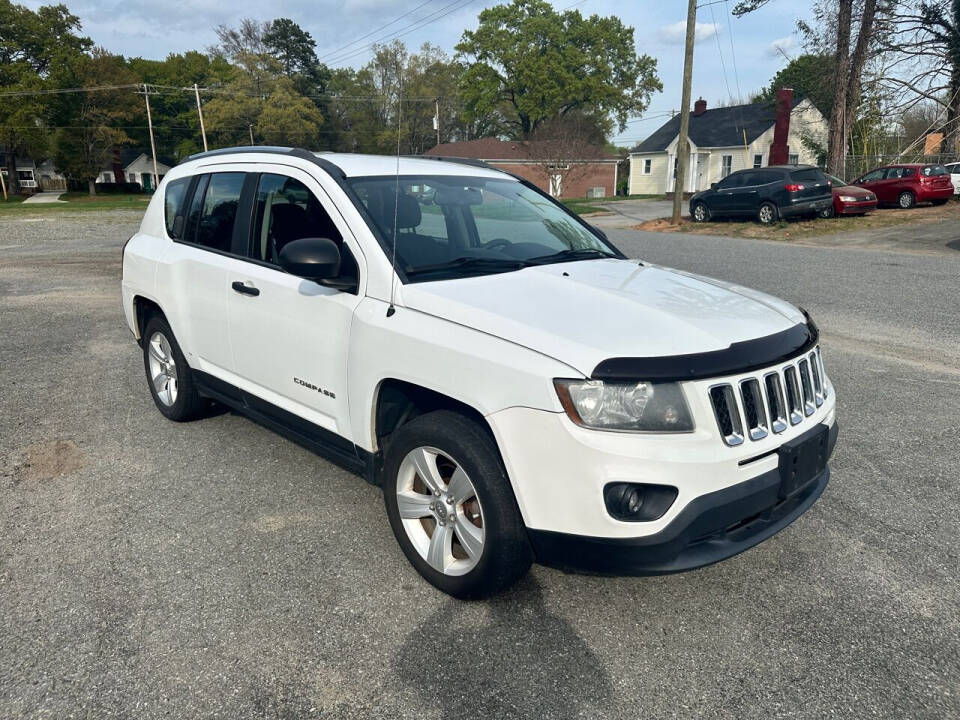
pixel 754 407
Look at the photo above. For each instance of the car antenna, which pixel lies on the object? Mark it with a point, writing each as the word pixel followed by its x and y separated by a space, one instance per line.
pixel 396 193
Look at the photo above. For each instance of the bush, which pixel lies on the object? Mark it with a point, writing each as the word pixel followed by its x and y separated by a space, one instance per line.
pixel 124 187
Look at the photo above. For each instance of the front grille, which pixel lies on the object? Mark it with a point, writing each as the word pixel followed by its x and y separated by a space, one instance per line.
pixel 770 403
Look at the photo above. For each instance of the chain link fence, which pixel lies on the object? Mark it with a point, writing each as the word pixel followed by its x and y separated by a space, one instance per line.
pixel 857 165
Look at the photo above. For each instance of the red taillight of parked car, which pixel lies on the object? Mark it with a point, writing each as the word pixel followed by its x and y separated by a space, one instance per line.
pixel 793 187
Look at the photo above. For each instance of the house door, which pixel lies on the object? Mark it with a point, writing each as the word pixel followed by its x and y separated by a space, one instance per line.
pixel 146 181
pixel 703 172
pixel 556 185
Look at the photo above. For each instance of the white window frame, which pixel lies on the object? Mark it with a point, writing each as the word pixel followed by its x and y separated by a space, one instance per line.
pixel 757 161
pixel 726 165
pixel 647 166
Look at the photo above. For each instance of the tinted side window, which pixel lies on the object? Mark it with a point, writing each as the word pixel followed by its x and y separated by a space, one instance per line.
pixel 811 175
pixel 731 181
pixel 218 211
pixel 768 176
pixel 934 170
pixel 286 210
pixel 174 201
pixel 874 175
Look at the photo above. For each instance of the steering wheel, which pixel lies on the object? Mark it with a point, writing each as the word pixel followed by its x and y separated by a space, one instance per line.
pixel 497 242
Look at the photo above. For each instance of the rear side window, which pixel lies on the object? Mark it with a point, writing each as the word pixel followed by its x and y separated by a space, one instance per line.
pixel 810 175
pixel 218 211
pixel 934 171
pixel 174 201
pixel 766 177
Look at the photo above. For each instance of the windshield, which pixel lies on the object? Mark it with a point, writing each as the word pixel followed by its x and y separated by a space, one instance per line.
pixel 459 226
pixel 837 182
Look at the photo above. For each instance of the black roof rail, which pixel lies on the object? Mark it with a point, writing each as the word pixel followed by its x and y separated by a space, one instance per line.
pixel 462 161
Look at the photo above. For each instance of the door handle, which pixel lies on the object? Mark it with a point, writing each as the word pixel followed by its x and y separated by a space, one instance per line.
pixel 244 289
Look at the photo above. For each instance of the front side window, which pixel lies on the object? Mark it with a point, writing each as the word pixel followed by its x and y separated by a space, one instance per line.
pixel 874 175
pixel 726 165
pixel 455 226
pixel 174 207
pixel 731 181
pixel 218 211
pixel 286 210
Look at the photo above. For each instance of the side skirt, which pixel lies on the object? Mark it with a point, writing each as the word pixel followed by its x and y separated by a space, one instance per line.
pixel 293 427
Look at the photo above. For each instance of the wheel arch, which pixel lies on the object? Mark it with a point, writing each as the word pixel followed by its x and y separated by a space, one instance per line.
pixel 143 309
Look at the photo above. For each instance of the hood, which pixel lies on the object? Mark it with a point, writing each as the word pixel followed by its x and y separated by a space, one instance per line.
pixel 582 313
pixel 853 191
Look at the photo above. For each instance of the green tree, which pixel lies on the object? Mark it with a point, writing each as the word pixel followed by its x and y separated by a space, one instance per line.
pixel 291 46
pixel 92 123
pixel 528 63
pixel 811 76
pixel 30 44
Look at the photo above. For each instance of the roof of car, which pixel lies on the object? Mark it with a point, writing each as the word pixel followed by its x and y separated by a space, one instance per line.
pixel 786 168
pixel 357 165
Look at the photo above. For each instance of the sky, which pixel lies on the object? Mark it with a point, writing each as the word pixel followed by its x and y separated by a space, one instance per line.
pixel 761 41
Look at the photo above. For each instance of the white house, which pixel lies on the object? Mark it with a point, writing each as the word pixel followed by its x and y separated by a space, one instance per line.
pixel 33 176
pixel 727 139
pixel 138 169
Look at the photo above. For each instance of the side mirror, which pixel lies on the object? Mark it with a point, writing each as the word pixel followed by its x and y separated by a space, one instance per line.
pixel 311 258
pixel 713 186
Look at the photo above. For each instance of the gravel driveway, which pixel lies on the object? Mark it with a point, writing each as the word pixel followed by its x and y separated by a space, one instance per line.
pixel 216 570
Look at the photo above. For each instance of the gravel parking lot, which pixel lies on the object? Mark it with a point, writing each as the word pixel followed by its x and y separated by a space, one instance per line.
pixel 214 569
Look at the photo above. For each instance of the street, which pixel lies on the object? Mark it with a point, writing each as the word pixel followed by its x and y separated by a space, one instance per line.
pixel 215 569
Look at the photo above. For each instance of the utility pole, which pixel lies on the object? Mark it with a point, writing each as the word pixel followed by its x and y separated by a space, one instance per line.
pixel 153 145
pixel 683 145
pixel 203 130
pixel 250 128
pixel 4 186
pixel 436 118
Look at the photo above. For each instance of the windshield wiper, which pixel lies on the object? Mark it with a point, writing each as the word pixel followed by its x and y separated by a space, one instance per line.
pixel 472 264
pixel 569 255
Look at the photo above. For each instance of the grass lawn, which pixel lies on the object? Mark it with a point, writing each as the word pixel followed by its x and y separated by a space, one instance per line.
pixel 582 206
pixel 76 201
pixel 799 229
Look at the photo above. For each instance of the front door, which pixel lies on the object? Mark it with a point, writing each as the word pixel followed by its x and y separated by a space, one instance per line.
pixel 703 171
pixel 290 336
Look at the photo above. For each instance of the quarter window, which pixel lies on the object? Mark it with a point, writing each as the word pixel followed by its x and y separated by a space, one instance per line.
pixel 218 211
pixel 174 206
pixel 286 210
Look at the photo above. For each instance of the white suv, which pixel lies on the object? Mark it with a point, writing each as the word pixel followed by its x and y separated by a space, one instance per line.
pixel 519 389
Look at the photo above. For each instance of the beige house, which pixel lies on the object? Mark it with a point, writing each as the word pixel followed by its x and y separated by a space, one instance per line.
pixel 724 140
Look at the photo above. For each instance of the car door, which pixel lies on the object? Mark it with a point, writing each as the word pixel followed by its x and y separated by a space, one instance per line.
pixel 724 202
pixel 290 335
pixel 196 267
pixel 872 181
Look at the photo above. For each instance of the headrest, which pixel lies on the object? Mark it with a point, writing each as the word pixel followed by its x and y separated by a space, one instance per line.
pixel 408 212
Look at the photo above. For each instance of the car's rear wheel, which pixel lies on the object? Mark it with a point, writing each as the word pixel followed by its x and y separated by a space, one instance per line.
pixel 826 213
pixel 451 507
pixel 906 200
pixel 700 213
pixel 767 215
pixel 168 375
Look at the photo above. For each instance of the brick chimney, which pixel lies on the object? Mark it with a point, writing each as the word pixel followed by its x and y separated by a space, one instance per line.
pixel 780 150
pixel 699 107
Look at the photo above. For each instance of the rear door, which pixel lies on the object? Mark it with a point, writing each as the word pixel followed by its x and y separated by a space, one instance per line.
pixel 289 335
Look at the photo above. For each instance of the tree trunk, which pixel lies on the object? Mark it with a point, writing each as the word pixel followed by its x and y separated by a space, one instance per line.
pixel 13 181
pixel 92 186
pixel 838 117
pixel 951 142
pixel 859 59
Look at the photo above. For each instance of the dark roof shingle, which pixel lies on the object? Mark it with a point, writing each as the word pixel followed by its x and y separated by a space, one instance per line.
pixel 719 127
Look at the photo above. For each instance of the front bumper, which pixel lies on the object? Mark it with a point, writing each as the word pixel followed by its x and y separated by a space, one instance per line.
pixel 709 529
pixel 858 208
pixel 807 207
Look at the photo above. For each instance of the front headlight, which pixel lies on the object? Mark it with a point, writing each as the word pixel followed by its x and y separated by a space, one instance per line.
pixel 848 198
pixel 636 406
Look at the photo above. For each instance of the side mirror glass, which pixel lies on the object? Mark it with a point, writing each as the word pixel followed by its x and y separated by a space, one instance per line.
pixel 311 258
pixel 714 186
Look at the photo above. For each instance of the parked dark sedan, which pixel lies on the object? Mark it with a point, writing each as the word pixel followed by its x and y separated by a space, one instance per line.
pixel 769 193
pixel 849 200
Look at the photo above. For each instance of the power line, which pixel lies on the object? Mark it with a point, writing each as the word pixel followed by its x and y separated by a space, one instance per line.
pixel 364 37
pixel 723 64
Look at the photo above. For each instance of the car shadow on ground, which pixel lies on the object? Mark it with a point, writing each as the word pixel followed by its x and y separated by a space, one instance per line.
pixel 519 660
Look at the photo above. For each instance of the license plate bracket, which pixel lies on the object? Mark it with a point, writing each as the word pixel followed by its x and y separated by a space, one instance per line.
pixel 802 459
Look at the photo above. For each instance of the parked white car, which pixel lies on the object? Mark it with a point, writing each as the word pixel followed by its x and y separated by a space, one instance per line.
pixel 519 389
pixel 954 170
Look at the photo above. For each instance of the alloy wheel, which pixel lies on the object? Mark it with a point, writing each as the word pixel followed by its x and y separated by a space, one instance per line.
pixel 440 511
pixel 163 369
pixel 766 214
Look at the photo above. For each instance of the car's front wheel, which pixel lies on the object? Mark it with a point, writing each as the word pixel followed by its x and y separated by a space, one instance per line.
pixel 168 375
pixel 700 213
pixel 451 507
pixel 906 200
pixel 767 215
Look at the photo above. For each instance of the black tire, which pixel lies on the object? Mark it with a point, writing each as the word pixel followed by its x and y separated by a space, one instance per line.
pixel 827 213
pixel 506 554
pixel 942 201
pixel 700 213
pixel 187 405
pixel 767 214
pixel 906 200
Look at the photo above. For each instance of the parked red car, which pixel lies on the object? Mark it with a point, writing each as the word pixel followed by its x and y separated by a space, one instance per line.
pixel 849 200
pixel 906 185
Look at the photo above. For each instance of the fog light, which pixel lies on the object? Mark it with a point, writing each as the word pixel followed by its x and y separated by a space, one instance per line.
pixel 638 502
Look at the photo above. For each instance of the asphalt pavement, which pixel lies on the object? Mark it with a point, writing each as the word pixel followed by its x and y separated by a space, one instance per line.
pixel 216 570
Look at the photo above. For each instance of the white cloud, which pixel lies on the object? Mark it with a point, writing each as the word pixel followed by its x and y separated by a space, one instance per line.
pixel 782 46
pixel 676 33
